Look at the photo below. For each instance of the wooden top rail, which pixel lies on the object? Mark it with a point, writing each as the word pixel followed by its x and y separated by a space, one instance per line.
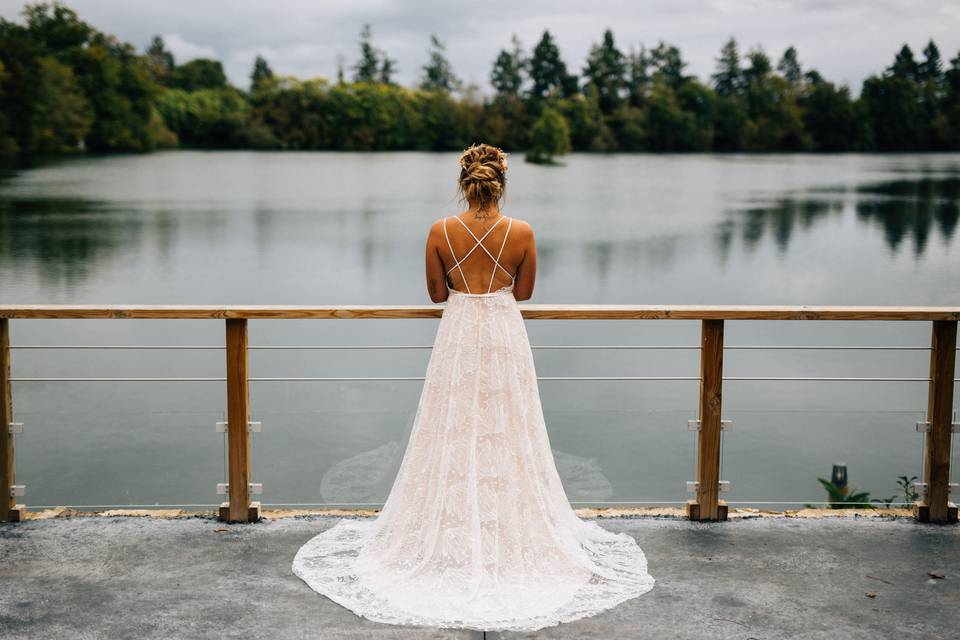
pixel 530 311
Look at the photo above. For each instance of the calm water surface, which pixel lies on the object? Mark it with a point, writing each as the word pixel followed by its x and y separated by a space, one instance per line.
pixel 340 228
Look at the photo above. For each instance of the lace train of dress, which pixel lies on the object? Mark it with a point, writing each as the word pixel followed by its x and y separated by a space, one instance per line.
pixel 477 531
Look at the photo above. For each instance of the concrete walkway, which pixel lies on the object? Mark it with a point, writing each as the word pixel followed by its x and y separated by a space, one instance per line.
pixel 128 577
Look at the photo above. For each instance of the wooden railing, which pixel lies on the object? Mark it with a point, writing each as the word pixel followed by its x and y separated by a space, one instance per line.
pixel 933 506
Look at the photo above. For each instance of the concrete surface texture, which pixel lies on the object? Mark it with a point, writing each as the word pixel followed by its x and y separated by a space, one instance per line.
pixel 128 577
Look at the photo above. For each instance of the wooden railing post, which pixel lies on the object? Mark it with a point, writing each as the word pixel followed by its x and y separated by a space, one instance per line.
pixel 936 505
pixel 10 511
pixel 707 505
pixel 238 508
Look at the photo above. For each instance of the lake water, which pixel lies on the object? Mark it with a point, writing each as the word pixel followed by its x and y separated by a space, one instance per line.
pixel 188 227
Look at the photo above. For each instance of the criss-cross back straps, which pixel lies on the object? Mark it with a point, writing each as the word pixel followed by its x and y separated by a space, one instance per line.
pixel 479 243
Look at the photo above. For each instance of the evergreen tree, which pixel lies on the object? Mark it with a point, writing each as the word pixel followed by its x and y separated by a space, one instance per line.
pixel 367 67
pixel 548 73
pixel 932 66
pixel 813 76
pixel 669 64
pixel 789 66
pixel 759 67
pixel 728 78
pixel 509 69
pixel 829 116
pixel 904 65
pixel 638 75
pixel 261 73
pixel 438 73
pixel 159 59
pixel 388 67
pixel 893 113
pixel 952 79
pixel 606 70
pixel 340 74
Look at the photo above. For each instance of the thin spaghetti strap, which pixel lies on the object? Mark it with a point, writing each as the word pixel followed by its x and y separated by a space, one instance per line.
pixel 479 243
pixel 499 253
pixel 462 277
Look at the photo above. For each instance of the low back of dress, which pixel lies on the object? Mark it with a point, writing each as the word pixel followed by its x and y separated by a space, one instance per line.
pixel 479 243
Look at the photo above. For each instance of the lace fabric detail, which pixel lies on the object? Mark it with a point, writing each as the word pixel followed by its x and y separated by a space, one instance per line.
pixel 476 532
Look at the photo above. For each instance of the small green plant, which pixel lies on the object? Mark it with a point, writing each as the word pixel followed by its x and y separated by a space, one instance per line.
pixel 910 494
pixel 549 137
pixel 884 501
pixel 841 500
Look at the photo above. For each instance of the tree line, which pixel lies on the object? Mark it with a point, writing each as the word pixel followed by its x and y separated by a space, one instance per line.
pixel 66 86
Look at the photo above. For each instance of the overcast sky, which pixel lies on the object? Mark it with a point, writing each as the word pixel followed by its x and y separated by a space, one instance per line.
pixel 846 40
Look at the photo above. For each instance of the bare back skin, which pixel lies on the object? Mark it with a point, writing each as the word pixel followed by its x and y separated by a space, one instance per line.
pixel 476 266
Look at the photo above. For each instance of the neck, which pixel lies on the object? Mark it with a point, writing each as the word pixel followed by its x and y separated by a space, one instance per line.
pixel 490 212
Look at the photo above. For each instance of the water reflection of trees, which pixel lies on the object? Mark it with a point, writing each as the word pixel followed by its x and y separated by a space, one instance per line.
pixel 911 208
pixel 64 237
pixel 779 218
pixel 907 207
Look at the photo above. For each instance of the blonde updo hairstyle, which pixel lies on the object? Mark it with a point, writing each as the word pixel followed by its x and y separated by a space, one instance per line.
pixel 483 175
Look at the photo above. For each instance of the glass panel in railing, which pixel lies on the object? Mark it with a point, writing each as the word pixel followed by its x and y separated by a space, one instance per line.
pixel 627 418
pixel 97 458
pixel 628 456
pixel 330 443
pixel 824 412
pixel 118 412
pixel 786 459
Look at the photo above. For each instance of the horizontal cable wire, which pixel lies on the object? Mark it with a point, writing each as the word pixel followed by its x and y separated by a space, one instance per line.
pixel 334 379
pixel 322 505
pixel 118 506
pixel 293 504
pixel 873 504
pixel 175 347
pixel 546 378
pixel 118 379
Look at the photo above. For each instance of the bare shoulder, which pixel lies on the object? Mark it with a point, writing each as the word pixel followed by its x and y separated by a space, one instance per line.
pixel 436 229
pixel 522 228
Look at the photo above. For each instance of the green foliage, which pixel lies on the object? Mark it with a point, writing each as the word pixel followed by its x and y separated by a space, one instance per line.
pixel 891 108
pixel 587 127
pixel 64 85
pixel 198 74
pixel 842 500
pixel 606 71
pixel 261 74
pixel 668 65
pixel 829 117
pixel 790 67
pixel 549 137
pixel 68 84
pixel 206 117
pixel 509 70
pixel 438 73
pixel 548 74
pixel 374 65
pixel 159 60
pixel 910 494
pixel 61 116
pixel 728 78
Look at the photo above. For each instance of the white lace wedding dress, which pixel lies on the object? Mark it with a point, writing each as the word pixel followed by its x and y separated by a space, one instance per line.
pixel 477 531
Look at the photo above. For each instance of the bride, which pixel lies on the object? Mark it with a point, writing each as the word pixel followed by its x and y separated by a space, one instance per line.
pixel 477 532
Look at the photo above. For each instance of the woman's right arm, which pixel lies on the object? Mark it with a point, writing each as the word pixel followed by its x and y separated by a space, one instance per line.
pixel 436 277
